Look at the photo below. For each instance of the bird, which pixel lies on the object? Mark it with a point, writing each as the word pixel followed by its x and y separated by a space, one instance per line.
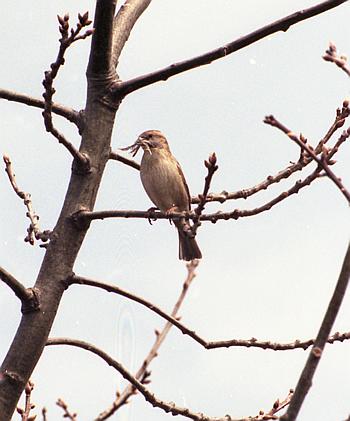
pixel 165 184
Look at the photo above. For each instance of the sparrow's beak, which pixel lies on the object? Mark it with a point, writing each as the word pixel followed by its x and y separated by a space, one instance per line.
pixel 144 143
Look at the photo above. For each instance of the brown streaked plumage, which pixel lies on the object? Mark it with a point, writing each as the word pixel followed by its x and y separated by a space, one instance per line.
pixel 165 184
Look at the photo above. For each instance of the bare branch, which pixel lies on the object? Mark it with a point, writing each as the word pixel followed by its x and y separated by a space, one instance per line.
pixel 123 88
pixel 150 397
pixel 125 20
pixel 33 232
pixel 82 217
pixel 332 56
pixel 323 161
pixel 305 380
pixel 70 416
pixel 28 296
pixel 143 373
pixel 251 343
pixel 67 39
pixel 130 162
pixel 69 113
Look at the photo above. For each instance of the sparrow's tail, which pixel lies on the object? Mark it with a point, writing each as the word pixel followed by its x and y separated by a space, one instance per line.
pixel 188 247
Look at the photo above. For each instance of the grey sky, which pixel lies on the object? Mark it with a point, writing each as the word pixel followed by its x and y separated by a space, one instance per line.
pixel 269 276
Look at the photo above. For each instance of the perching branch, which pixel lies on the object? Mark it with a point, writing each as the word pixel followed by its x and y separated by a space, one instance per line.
pixel 305 380
pixel 123 88
pixel 67 39
pixel 33 231
pixel 82 217
pixel 332 56
pixel 143 373
pixel 251 343
pixel 69 113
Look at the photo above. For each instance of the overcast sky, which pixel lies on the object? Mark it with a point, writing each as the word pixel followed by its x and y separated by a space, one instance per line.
pixel 269 276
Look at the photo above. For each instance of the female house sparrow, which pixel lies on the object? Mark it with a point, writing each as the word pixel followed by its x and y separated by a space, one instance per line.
pixel 165 184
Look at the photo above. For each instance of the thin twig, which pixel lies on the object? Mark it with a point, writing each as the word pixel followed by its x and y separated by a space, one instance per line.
pixel 251 343
pixel 71 416
pixel 123 88
pixel 130 162
pixel 67 39
pixel 305 379
pixel 277 406
pixel 332 56
pixel 33 232
pixel 25 413
pixel 211 167
pixel 143 373
pixel 304 146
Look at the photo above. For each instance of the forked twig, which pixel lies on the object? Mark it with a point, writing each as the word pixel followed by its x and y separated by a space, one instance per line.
pixel 67 39
pixel 33 232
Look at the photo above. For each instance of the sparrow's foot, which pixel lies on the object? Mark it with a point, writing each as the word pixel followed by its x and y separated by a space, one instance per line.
pixel 151 215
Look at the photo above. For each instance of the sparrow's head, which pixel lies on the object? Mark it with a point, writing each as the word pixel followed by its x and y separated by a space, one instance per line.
pixel 149 141
pixel 152 139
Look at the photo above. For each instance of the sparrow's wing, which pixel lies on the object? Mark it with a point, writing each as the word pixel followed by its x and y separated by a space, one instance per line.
pixel 185 184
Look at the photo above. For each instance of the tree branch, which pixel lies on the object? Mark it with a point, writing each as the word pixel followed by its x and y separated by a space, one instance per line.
pixel 69 113
pixel 143 374
pixel 123 88
pixel 323 161
pixel 130 162
pixel 305 380
pixel 251 343
pixel 83 217
pixel 154 401
pixel 28 296
pixel 102 41
pixel 124 21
